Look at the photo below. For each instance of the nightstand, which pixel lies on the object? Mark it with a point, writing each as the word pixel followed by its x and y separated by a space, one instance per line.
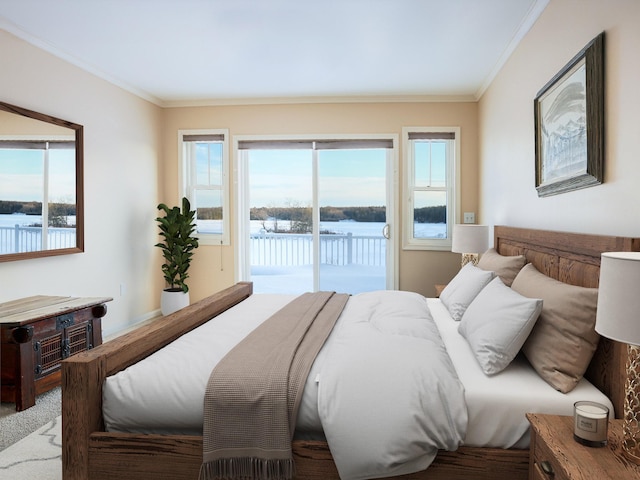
pixel 554 454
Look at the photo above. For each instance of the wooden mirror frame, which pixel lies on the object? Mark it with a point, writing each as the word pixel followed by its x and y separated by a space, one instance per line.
pixel 79 173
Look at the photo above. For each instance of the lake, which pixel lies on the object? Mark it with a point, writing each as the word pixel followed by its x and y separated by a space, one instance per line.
pixel 11 220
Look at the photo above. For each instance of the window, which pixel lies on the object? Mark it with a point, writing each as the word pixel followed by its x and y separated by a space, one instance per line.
pixel 205 180
pixel 431 164
pixel 38 199
pixel 316 213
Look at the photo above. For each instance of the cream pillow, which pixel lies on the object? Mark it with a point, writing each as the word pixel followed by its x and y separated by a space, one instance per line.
pixel 564 339
pixel 497 323
pixel 463 288
pixel 506 267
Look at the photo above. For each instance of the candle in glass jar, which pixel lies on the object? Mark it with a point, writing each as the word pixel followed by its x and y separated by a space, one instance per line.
pixel 591 420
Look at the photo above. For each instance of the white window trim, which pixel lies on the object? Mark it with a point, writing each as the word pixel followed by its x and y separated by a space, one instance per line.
pixel 45 174
pixel 242 267
pixel 453 197
pixel 208 238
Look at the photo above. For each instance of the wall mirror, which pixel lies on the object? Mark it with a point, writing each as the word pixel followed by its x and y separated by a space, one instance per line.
pixel 41 192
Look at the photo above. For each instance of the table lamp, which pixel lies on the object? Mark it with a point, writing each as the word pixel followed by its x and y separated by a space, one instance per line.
pixel 470 240
pixel 617 318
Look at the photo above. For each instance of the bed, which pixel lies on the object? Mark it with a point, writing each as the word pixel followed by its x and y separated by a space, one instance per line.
pixel 91 452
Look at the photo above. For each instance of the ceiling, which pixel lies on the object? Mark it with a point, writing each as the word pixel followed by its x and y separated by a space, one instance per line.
pixel 191 52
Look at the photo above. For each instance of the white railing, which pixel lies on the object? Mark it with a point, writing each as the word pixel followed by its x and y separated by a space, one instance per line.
pixel 20 239
pixel 280 249
pixel 267 249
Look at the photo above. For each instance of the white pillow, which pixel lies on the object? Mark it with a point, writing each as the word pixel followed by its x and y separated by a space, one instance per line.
pixel 497 323
pixel 464 287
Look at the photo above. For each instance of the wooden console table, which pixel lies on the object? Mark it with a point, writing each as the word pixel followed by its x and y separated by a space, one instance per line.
pixel 36 334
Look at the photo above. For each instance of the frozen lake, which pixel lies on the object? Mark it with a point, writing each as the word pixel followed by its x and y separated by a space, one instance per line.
pixel 11 220
pixel 19 219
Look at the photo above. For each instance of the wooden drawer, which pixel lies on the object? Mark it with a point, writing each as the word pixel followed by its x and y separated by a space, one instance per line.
pixel 555 455
pixel 536 473
pixel 544 465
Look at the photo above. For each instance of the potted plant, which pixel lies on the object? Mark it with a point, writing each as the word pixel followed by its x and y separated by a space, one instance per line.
pixel 178 243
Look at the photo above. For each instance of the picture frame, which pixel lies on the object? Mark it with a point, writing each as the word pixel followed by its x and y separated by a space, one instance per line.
pixel 569 124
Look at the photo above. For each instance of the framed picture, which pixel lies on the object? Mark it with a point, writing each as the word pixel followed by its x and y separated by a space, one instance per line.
pixel 569 124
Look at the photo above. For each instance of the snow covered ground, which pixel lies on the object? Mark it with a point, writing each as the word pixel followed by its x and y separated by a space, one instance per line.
pixel 290 277
pixel 344 279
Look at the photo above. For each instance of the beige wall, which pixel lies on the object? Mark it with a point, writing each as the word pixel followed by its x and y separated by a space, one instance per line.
pixel 419 270
pixel 122 151
pixel 507 185
pixel 131 158
pixel 131 164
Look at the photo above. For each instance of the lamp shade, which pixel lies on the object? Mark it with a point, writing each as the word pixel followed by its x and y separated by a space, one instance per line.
pixel 618 314
pixel 470 238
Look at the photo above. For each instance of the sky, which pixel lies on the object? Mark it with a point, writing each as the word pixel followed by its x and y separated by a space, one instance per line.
pixel 347 178
pixel 21 175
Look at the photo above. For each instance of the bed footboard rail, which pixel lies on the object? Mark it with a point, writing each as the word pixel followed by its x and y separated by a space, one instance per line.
pixel 84 374
pixel 123 456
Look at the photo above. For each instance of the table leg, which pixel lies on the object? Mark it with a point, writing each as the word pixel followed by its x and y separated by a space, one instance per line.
pixel 25 378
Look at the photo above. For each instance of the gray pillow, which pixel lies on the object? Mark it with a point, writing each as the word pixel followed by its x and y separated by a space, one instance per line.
pixel 496 325
pixel 463 288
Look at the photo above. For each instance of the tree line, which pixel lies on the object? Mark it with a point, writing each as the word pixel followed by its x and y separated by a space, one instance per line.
pixel 436 214
pixel 300 217
pixel 8 207
pixel 327 214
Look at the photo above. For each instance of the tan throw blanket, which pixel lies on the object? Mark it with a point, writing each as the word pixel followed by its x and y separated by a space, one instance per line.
pixel 253 395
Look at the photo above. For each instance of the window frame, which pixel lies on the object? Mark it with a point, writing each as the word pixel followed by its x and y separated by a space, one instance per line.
pixel 44 145
pixel 188 187
pixel 409 242
pixel 241 175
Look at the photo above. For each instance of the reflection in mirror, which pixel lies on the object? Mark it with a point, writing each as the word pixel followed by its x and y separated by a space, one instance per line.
pixel 41 209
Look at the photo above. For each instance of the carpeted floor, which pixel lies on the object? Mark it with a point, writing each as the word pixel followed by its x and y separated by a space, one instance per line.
pixel 38 456
pixel 32 456
pixel 17 425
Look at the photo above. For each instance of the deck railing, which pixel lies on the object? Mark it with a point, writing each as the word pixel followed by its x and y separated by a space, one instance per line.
pixel 20 239
pixel 267 249
pixel 279 249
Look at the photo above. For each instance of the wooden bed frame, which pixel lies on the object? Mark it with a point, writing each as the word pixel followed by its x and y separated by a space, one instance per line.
pixel 91 453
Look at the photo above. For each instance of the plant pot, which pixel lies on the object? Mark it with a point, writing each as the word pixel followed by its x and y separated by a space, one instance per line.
pixel 172 300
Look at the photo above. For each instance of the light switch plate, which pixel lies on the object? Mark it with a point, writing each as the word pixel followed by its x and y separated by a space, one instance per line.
pixel 469 217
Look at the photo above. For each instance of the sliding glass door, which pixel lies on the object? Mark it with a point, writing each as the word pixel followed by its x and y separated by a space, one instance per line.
pixel 280 237
pixel 315 214
pixel 352 190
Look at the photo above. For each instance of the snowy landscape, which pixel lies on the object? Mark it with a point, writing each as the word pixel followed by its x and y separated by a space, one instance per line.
pixel 352 255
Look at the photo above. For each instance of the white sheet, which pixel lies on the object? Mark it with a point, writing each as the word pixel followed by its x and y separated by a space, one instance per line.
pixel 497 404
pixel 161 395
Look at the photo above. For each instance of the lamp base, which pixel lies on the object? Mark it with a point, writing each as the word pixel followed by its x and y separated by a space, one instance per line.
pixel 631 425
pixel 469 258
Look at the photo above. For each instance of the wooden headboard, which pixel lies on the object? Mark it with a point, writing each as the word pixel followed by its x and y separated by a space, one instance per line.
pixel 574 258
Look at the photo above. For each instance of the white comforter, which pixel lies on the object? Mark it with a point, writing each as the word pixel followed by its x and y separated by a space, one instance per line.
pixel 383 388
pixel 389 396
